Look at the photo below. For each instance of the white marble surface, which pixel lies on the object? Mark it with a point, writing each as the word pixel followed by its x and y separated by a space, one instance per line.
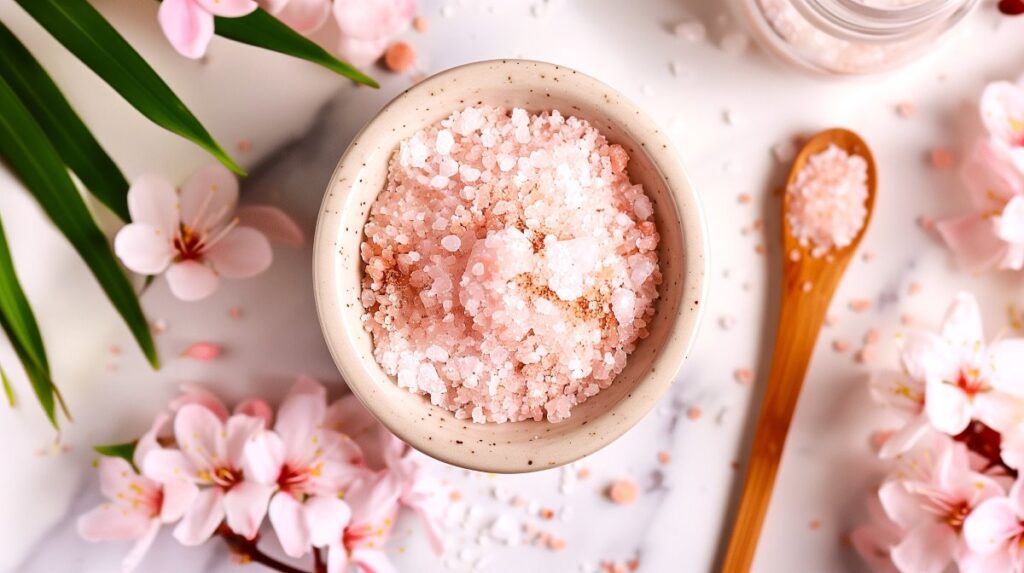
pixel 299 119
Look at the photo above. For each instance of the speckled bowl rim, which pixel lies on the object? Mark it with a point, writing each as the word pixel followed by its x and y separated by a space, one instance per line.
pixel 603 428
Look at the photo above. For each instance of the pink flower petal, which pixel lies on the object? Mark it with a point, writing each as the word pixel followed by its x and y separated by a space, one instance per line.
pixel 898 391
pixel 199 433
pixel 349 417
pixel 326 518
pixel 903 440
pixel 962 324
pixel 144 249
pixel 257 409
pixel 195 394
pixel 142 544
pixel 1012 449
pixel 153 201
pixel 148 442
pixel 928 548
pixel 305 384
pixel 991 525
pixel 202 519
pixel 297 419
pixel 178 497
pixel 242 253
pixel 203 351
pixel 337 558
pixel 110 522
pixel 228 8
pixel 245 506
pixel 947 407
pixel 373 19
pixel 304 16
pixel 289 525
pixel 264 456
pixel 990 177
pixel 926 355
pixel 1010 224
pixel 1002 111
pixel 239 430
pixel 973 240
pixel 116 477
pixel 168 465
pixel 209 197
pixel 191 281
pixel 373 561
pixel 374 500
pixel 1016 497
pixel 901 506
pixel 188 27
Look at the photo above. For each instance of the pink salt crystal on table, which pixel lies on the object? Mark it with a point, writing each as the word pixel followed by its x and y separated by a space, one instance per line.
pixel 905 109
pixel 744 375
pixel 859 304
pixel 664 457
pixel 510 265
pixel 827 200
pixel 745 198
pixel 203 351
pixel 872 336
pixel 694 412
pixel 623 492
pixel 940 158
pixel 840 345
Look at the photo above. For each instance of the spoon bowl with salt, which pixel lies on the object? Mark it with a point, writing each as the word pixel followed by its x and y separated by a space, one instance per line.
pixel 829 199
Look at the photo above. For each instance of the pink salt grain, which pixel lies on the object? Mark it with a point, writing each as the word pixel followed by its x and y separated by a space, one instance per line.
pixel 623 492
pixel 826 207
pixel 510 265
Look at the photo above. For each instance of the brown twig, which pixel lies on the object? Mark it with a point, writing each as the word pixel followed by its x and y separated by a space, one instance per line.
pixel 248 549
pixel 318 561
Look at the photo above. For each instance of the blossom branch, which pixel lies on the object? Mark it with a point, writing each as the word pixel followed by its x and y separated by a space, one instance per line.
pixel 247 548
pixel 318 561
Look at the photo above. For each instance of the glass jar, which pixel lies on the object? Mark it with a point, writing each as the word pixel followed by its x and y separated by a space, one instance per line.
pixel 841 37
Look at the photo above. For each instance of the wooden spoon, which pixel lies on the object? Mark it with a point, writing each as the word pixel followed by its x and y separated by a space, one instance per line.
pixel 802 314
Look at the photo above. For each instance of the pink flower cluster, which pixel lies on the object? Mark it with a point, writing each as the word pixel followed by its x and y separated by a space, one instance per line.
pixel 195 235
pixel 955 496
pixel 993 235
pixel 366 26
pixel 326 477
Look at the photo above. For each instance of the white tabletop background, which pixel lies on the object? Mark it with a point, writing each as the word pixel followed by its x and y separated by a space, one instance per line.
pixel 299 120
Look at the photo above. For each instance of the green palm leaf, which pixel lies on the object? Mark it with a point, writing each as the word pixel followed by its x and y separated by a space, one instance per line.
pixel 87 35
pixel 8 390
pixel 65 130
pixel 19 323
pixel 262 30
pixel 33 158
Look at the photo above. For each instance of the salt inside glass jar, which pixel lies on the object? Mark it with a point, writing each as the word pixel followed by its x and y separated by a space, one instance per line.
pixel 844 37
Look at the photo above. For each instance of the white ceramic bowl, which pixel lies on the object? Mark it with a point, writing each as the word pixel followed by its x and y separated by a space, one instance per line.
pixel 651 368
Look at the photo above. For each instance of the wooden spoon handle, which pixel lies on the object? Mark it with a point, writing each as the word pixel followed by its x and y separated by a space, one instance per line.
pixel 800 321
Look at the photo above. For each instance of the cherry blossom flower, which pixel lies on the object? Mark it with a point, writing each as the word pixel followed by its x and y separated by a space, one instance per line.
pixel 192 235
pixel 964 379
pixel 188 24
pixel 1002 112
pixel 304 16
pixel 993 235
pixel 368 25
pixel 929 501
pixel 374 502
pixel 209 454
pixel 138 506
pixel 995 532
pixel 308 466
pixel 418 490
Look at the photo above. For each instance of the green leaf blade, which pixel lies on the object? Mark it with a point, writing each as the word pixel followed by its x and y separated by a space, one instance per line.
pixel 262 30
pixel 19 324
pixel 68 133
pixel 33 158
pixel 124 451
pixel 8 389
pixel 88 35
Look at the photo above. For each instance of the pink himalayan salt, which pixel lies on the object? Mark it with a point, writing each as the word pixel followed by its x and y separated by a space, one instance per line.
pixel 827 200
pixel 510 265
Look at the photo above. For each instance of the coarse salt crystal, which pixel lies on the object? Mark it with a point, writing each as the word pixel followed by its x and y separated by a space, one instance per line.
pixel 827 200
pixel 510 265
